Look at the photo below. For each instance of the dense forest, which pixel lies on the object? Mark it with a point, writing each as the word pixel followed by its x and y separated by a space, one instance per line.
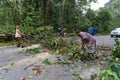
pixel 114 7
pixel 71 14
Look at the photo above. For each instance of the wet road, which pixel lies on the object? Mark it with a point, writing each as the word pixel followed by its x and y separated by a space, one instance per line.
pixel 105 40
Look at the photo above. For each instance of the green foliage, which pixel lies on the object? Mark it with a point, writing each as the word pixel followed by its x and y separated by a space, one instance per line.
pixel 11 63
pixel 11 12
pixel 54 42
pixel 47 62
pixel 112 70
pixel 71 49
pixel 5 43
pixel 76 73
pixel 79 76
pixel 32 51
pixel 113 6
pixel 60 61
pixel 115 67
pixel 91 16
pixel 116 50
pixel 108 74
pixel 64 47
pixel 39 34
pixel 103 19
pixel 37 13
pixel 33 19
pixel 2 20
pixel 7 29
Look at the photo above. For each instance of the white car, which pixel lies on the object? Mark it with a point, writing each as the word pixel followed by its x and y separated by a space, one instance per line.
pixel 115 32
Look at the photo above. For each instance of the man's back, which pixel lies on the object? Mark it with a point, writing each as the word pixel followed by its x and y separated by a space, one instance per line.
pixel 85 35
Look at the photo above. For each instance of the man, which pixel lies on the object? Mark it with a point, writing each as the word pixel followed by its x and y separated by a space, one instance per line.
pixel 59 31
pixel 92 30
pixel 87 41
pixel 18 37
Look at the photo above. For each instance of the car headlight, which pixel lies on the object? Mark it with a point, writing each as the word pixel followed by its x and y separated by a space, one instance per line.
pixel 112 32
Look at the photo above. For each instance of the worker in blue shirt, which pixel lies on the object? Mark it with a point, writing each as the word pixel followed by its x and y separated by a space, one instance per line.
pixel 92 30
pixel 59 31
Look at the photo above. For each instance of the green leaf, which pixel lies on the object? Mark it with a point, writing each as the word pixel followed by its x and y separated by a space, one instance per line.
pixel 47 62
pixel 30 77
pixel 11 63
pixel 101 74
pixel 76 73
pixel 113 74
pixel 103 78
pixel 109 72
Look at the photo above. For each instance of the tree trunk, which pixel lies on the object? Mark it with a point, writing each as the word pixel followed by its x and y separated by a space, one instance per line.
pixel 63 13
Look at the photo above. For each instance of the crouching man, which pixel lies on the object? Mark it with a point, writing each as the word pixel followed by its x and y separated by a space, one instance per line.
pixel 88 42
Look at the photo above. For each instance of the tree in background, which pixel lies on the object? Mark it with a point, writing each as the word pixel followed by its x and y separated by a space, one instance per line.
pixel 82 7
pixel 90 17
pixel 53 12
pixel 114 7
pixel 70 14
pixel 32 13
pixel 103 20
pixel 11 11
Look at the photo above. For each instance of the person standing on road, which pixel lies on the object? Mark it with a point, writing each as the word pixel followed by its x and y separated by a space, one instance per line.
pixel 88 41
pixel 92 30
pixel 59 31
pixel 18 37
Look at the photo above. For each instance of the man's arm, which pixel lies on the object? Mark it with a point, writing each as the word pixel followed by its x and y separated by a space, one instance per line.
pixel 82 46
pixel 85 42
pixel 20 32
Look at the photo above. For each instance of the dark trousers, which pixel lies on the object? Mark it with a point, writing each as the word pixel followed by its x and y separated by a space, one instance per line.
pixel 19 41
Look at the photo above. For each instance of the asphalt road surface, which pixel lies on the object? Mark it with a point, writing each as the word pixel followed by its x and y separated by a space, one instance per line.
pixel 105 40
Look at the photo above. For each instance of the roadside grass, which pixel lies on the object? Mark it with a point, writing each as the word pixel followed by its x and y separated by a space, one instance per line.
pixel 6 43
pixel 33 51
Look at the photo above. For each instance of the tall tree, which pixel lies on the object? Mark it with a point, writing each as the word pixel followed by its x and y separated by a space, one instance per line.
pixel 91 16
pixel 12 11
pixel 103 20
pixel 114 7
pixel 57 13
pixel 32 13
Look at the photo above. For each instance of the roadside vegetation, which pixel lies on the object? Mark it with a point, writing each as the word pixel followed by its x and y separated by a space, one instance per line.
pixel 39 19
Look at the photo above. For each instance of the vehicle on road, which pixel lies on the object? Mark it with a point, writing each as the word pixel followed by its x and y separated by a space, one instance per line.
pixel 115 32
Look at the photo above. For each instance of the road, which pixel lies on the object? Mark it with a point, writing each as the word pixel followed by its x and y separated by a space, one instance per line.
pixel 105 40
pixel 13 63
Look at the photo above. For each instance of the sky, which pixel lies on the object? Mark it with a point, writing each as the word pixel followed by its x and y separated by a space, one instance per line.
pixel 100 3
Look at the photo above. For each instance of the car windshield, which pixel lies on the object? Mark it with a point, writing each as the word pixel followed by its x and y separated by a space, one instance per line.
pixel 117 29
